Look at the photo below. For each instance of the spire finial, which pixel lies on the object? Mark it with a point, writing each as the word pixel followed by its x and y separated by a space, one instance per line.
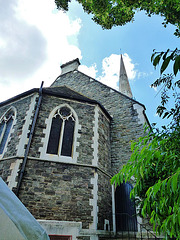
pixel 124 86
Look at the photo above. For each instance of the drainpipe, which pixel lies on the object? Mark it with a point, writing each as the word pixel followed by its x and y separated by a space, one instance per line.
pixel 29 141
pixel 113 211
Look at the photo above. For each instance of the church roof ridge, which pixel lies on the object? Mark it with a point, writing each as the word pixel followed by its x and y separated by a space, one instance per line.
pixel 101 84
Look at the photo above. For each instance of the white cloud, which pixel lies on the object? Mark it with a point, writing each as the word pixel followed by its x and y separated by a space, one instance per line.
pixel 22 45
pixel 143 74
pixel 33 44
pixel 111 68
pixel 54 25
pixel 90 71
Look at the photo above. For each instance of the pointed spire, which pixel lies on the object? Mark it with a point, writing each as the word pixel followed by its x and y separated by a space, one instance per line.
pixel 124 86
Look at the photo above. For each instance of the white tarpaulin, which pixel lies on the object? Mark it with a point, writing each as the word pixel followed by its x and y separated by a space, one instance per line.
pixel 15 218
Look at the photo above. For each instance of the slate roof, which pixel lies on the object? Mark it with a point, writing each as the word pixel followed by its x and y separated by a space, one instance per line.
pixel 110 88
pixel 66 92
pixel 61 92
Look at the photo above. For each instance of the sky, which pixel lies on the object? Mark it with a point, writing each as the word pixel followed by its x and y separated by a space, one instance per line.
pixel 36 38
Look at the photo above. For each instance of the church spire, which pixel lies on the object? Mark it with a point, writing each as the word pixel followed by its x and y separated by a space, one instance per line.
pixel 124 86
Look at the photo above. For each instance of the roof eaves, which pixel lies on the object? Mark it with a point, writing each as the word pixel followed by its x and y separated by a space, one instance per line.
pixel 87 100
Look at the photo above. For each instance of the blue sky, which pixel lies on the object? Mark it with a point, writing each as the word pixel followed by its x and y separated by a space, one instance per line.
pixel 35 40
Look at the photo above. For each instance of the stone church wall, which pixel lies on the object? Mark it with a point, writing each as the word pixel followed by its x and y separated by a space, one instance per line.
pixel 11 159
pixel 85 113
pixel 5 169
pixel 104 202
pixel 125 125
pixel 104 151
pixel 58 191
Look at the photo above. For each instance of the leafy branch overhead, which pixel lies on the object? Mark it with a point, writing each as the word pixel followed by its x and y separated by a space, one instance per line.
pixel 155 167
pixel 166 57
pixel 109 13
pixel 169 82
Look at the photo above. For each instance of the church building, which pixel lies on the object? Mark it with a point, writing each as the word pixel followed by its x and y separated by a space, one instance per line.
pixel 61 145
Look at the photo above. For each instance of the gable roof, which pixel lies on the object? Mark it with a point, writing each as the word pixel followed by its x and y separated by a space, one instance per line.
pixel 66 92
pixel 110 88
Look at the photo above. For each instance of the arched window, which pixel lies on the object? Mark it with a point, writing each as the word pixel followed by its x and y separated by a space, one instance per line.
pixel 125 209
pixel 62 133
pixel 5 126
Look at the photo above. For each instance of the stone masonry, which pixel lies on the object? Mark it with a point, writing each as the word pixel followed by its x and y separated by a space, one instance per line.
pixel 125 125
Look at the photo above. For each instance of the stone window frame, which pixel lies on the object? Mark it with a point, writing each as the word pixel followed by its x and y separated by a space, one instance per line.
pixel 62 130
pixel 59 158
pixel 3 117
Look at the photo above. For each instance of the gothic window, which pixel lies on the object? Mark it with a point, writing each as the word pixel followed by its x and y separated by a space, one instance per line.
pixel 62 133
pixel 5 126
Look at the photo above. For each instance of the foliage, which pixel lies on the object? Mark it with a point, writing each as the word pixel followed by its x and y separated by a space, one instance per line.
pixel 169 82
pixel 109 13
pixel 155 165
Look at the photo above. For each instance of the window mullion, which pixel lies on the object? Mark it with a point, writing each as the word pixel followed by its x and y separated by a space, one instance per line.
pixel 3 131
pixel 61 137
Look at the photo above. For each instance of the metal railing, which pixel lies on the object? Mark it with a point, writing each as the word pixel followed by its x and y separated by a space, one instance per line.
pixel 131 229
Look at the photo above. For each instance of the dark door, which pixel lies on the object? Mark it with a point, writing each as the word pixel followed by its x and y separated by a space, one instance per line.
pixel 125 209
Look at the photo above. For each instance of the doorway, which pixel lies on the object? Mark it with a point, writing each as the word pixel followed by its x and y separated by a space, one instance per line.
pixel 125 209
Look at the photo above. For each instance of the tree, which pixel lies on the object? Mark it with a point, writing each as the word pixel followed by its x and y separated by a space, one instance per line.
pixel 155 166
pixel 155 159
pixel 109 13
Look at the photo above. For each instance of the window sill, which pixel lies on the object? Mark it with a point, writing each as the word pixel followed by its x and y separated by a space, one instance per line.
pixel 56 158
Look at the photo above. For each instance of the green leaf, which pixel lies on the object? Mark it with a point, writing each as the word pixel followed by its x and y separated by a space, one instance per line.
pixel 176 66
pixel 165 54
pixel 156 60
pixel 141 172
pixel 152 56
pixel 165 64
pixel 174 181
pixel 165 115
